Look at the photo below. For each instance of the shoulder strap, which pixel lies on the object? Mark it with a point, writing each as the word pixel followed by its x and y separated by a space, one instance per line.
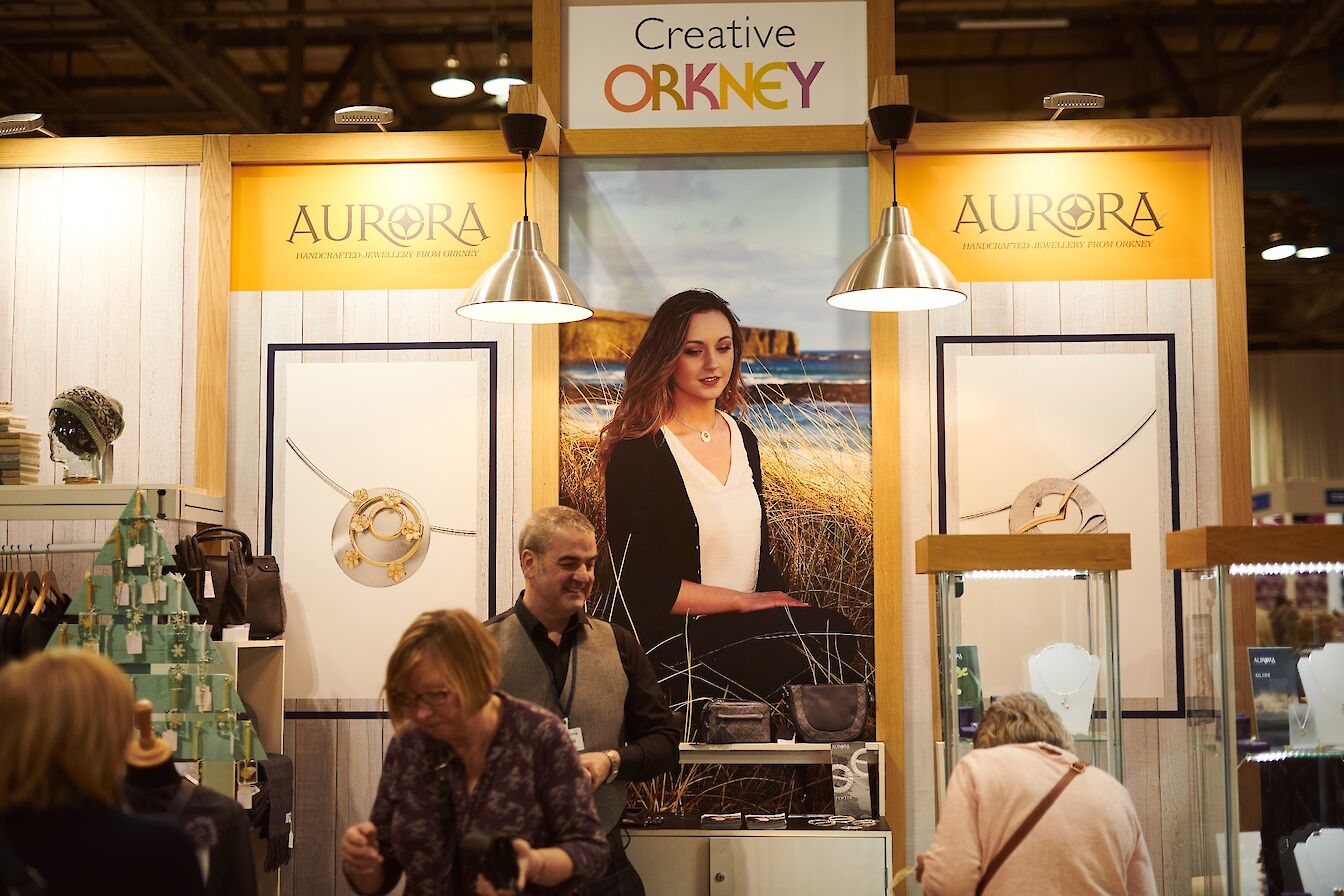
pixel 1074 770
pixel 17 878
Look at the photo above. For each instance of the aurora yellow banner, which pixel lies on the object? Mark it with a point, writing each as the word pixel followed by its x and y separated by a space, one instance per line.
pixel 421 225
pixel 1141 215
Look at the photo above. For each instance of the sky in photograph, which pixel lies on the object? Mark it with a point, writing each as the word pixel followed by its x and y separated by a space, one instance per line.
pixel 769 234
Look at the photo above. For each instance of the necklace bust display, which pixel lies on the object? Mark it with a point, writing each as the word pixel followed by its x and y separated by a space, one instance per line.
pixel 1065 676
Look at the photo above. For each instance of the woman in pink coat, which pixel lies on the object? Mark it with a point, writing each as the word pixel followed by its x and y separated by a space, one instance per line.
pixel 1087 842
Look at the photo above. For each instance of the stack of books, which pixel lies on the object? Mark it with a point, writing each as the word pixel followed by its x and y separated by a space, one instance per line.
pixel 18 448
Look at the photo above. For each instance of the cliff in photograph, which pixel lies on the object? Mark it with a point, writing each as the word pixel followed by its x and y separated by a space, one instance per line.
pixel 611 337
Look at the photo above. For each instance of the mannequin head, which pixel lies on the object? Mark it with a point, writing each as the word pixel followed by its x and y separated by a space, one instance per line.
pixel 84 422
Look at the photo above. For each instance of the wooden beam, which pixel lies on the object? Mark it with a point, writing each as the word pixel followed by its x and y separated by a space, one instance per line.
pixel 547 52
pixel 212 317
pixel 1061 136
pixel 319 119
pixel 87 152
pixel 888 547
pixel 445 146
pixel 712 141
pixel 1210 546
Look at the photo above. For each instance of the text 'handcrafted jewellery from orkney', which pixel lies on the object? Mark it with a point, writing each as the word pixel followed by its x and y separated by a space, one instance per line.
pixel 381 535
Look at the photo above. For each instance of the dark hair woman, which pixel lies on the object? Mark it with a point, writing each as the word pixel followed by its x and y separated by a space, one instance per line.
pixel 690 546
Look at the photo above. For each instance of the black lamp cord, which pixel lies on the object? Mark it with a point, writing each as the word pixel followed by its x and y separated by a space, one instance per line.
pixel 526 156
pixel 893 175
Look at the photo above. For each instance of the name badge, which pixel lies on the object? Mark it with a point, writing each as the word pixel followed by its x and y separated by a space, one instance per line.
pixel 576 735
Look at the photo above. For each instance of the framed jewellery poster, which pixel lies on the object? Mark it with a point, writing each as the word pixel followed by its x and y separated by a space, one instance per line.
pixel 1065 434
pixel 380 498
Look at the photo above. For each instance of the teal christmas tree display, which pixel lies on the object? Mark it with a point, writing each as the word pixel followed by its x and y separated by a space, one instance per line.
pixel 140 617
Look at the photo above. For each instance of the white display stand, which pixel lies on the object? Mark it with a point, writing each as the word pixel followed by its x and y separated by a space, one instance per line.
pixel 1322 676
pixel 1320 861
pixel 1065 676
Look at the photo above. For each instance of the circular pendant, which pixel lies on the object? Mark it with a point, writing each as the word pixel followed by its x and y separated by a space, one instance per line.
pixel 380 538
pixel 705 436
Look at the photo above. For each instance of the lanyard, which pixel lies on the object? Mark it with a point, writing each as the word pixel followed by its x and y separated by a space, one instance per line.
pixel 563 706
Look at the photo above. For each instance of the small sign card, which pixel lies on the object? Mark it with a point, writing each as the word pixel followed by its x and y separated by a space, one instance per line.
pixel 968 679
pixel 1274 687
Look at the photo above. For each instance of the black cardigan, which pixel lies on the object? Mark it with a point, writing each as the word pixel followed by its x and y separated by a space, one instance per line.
pixel 654 535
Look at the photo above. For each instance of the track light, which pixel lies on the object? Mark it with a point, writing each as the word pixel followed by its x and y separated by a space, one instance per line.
pixel 23 123
pixel 1072 99
pixel 353 115
pixel 498 86
pixel 1278 248
pixel 452 85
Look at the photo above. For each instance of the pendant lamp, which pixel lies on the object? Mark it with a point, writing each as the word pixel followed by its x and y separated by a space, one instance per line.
pixel 895 273
pixel 524 287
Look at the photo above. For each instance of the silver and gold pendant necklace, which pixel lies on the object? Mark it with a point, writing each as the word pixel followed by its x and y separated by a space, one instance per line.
pixel 363 545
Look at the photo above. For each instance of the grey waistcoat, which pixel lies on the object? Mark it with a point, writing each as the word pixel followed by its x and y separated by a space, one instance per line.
pixel 599 701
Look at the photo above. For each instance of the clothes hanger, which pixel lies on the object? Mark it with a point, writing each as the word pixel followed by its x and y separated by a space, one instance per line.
pixel 7 596
pixel 50 584
pixel 29 587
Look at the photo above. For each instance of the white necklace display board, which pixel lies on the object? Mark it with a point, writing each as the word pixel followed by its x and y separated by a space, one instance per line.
pixel 1065 676
pixel 1322 676
pixel 1320 861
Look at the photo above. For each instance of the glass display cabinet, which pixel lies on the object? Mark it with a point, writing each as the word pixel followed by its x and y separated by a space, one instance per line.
pixel 1265 720
pixel 1033 612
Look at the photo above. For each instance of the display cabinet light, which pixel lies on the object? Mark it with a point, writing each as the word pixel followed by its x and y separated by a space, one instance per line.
pixel 23 123
pixel 352 115
pixel 1282 569
pixel 524 287
pixel 896 272
pixel 1023 574
pixel 1072 99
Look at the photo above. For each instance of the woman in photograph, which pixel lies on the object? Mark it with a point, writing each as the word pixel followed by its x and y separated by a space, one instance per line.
pixel 686 525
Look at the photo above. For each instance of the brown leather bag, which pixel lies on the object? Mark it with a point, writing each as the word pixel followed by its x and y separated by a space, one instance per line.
pixel 243 587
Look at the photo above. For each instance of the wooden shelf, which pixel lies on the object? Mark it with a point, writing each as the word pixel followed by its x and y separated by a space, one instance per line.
pixel 761 754
pixel 106 501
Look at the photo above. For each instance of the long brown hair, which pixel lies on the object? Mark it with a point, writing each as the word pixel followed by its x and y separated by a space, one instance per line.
pixel 647 401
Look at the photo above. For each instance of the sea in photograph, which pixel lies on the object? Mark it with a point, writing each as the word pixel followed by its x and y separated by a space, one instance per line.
pixel 813 393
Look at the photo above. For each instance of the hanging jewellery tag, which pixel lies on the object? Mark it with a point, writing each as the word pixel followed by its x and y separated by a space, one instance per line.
pixel 135 641
pixel 205 697
pixel 155 592
pixel 170 732
pixel 177 682
pixel 247 770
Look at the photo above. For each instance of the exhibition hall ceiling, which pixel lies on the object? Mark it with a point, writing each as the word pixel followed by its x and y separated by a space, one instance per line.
pixel 108 67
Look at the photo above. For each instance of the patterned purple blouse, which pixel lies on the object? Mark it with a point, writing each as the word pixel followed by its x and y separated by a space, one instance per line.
pixel 532 787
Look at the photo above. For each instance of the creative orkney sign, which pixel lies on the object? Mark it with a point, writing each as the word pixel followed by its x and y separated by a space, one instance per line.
pixel 716 64
pixel 434 225
pixel 1130 215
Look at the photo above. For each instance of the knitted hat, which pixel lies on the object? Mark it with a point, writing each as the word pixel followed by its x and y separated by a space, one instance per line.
pixel 99 414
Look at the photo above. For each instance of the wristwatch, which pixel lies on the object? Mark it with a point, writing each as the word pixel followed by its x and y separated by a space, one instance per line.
pixel 615 758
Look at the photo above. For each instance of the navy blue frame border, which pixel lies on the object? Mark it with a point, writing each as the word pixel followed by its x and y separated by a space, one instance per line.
pixel 493 350
pixel 1170 341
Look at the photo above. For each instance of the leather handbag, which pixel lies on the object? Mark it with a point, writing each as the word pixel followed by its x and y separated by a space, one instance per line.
pixel 735 722
pixel 235 587
pixel 827 713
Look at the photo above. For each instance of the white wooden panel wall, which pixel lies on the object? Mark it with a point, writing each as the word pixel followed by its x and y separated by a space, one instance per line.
pixel 338 759
pixel 1156 771
pixel 98 288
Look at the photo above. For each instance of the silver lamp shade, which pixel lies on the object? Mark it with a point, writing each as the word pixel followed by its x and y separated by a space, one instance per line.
pixel 524 287
pixel 896 273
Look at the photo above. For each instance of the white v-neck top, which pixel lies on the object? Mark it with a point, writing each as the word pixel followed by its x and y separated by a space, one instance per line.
pixel 728 514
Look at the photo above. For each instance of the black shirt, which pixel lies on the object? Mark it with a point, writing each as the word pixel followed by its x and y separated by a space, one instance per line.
pixel 650 728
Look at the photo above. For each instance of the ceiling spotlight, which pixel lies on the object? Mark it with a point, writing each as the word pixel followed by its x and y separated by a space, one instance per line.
pixel 452 85
pixel 379 115
pixel 1315 251
pixel 1072 99
pixel 23 123
pixel 498 86
pixel 1278 248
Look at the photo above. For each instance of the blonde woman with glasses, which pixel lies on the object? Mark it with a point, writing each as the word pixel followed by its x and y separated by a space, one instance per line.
pixel 468 757
pixel 65 724
pixel 1024 815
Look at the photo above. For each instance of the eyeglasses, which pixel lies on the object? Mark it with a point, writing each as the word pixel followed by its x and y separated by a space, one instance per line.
pixel 431 699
